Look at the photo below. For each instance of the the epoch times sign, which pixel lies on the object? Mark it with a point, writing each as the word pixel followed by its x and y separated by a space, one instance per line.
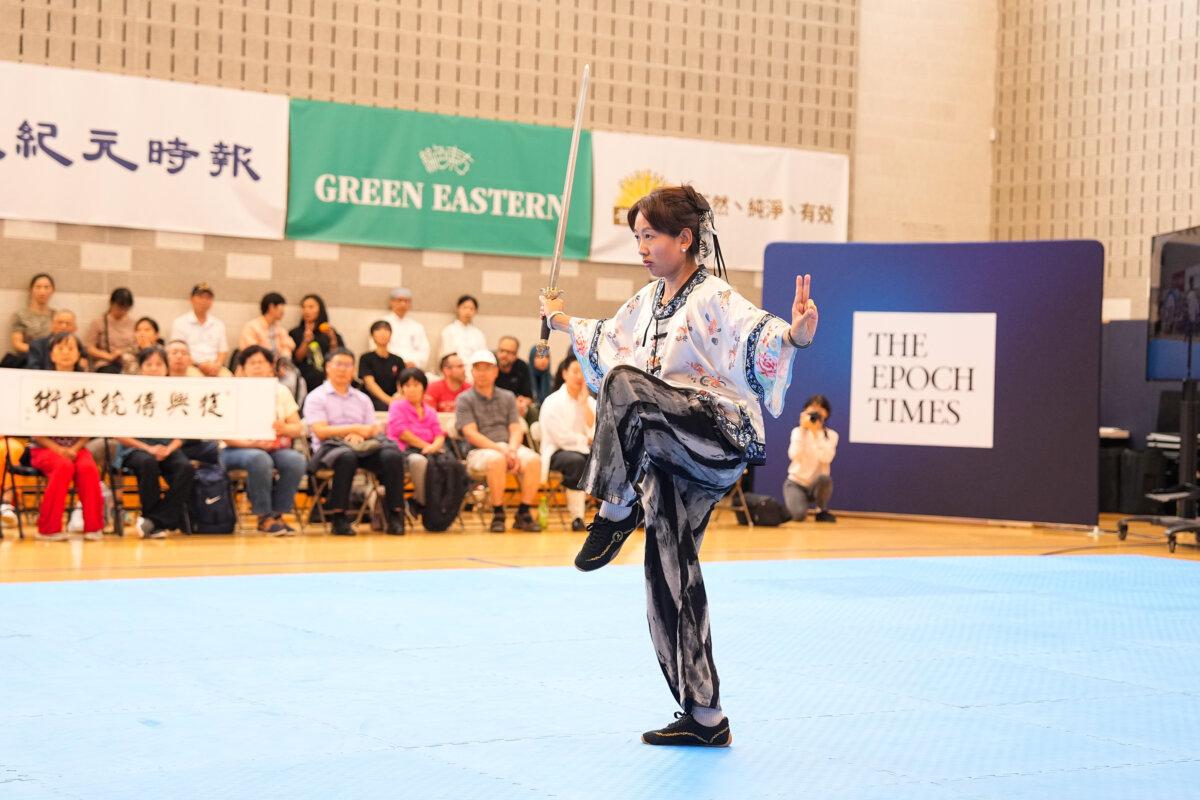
pixel 923 379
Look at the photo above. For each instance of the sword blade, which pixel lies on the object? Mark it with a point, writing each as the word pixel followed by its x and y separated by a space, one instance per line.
pixel 568 183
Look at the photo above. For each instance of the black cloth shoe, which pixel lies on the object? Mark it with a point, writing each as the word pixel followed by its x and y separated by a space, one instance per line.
pixel 686 731
pixel 825 516
pixel 393 522
pixel 342 525
pixel 524 521
pixel 605 538
pixel 497 523
pixel 577 525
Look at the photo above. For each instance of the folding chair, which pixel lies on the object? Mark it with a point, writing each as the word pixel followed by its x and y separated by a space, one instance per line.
pixel 735 501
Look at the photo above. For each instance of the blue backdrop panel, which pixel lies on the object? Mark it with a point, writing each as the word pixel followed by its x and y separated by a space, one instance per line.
pixel 1046 297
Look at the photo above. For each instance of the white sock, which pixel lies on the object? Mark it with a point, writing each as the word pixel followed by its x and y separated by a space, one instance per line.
pixel 614 513
pixel 708 717
pixel 576 503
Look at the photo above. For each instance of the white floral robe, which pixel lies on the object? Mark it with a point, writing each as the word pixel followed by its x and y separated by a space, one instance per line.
pixel 709 340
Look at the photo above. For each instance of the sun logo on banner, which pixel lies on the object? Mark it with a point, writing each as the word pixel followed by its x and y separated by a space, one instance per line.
pixel 633 188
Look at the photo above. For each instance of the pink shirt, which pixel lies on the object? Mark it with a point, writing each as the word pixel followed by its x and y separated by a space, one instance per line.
pixel 403 417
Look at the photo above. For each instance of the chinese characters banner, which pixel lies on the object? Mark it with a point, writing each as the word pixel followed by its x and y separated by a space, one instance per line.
pixel 103 149
pixel 49 403
pixel 759 195
pixel 408 179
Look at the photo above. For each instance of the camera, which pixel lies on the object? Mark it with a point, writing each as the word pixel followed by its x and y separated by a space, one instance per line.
pixel 814 416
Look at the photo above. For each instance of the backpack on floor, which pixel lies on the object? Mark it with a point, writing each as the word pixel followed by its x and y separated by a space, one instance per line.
pixel 764 510
pixel 445 486
pixel 212 504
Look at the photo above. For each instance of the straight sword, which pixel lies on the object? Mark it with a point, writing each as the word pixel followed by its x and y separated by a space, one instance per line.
pixel 552 291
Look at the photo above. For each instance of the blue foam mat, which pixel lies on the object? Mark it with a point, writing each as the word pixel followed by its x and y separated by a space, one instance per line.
pixel 980 678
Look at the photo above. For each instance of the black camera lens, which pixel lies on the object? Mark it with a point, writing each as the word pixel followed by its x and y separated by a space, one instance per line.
pixel 814 416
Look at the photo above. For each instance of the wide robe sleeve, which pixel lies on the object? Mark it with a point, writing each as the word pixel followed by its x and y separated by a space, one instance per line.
pixel 766 360
pixel 601 344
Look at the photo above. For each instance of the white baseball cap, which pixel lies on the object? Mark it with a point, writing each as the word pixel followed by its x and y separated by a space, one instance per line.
pixel 483 356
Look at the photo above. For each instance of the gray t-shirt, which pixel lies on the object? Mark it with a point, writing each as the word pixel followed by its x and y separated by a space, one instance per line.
pixel 492 416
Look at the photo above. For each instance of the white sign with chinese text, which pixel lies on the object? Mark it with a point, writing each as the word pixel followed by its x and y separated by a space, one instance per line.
pixel 47 403
pixel 759 195
pixel 103 149
pixel 923 379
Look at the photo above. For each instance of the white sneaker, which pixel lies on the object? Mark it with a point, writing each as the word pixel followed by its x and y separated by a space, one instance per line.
pixel 146 529
pixel 93 536
pixel 75 524
pixel 8 513
pixel 60 536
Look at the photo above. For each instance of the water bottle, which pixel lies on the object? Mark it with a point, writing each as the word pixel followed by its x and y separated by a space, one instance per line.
pixel 543 513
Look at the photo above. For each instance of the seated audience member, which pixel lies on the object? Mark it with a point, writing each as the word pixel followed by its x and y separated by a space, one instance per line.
pixel 179 361
pixel 266 330
pixel 413 425
pixel 314 338
pixel 152 459
pixel 462 335
pixel 33 321
pixel 486 417
pixel 810 452
pixel 179 365
pixel 110 337
pixel 514 373
pixel 540 374
pixel 38 355
pixel 270 499
pixel 204 333
pixel 62 459
pixel 145 334
pixel 379 369
pixel 345 436
pixel 568 423
pixel 408 336
pixel 443 394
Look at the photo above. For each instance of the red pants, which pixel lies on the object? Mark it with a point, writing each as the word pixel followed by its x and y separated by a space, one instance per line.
pixel 59 471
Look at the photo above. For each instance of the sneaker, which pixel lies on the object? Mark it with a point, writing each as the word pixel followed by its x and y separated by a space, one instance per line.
pixel 825 516
pixel 605 538
pixel 393 522
pixel 58 536
pixel 269 524
pixel 75 523
pixel 577 525
pixel 93 536
pixel 147 530
pixel 497 525
pixel 8 513
pixel 524 521
pixel 685 730
pixel 342 525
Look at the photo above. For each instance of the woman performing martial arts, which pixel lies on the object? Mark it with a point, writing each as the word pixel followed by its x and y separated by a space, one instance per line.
pixel 682 369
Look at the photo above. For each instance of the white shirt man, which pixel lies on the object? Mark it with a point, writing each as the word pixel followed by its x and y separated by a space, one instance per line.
pixel 409 341
pixel 204 333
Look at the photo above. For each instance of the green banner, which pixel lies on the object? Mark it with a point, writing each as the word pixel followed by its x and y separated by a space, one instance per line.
pixel 408 179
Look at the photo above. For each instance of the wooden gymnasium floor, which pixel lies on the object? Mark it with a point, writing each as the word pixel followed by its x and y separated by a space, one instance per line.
pixel 254 553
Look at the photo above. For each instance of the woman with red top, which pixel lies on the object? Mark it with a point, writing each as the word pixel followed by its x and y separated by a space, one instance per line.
pixel 63 459
pixel 413 424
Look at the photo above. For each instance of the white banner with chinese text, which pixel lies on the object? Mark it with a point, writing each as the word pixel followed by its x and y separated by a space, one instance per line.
pixel 103 149
pixel 46 403
pixel 759 195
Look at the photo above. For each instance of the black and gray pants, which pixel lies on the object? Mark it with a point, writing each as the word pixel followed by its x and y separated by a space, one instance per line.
pixel 649 431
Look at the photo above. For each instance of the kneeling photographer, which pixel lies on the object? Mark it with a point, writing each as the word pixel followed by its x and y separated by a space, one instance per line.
pixel 811 451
